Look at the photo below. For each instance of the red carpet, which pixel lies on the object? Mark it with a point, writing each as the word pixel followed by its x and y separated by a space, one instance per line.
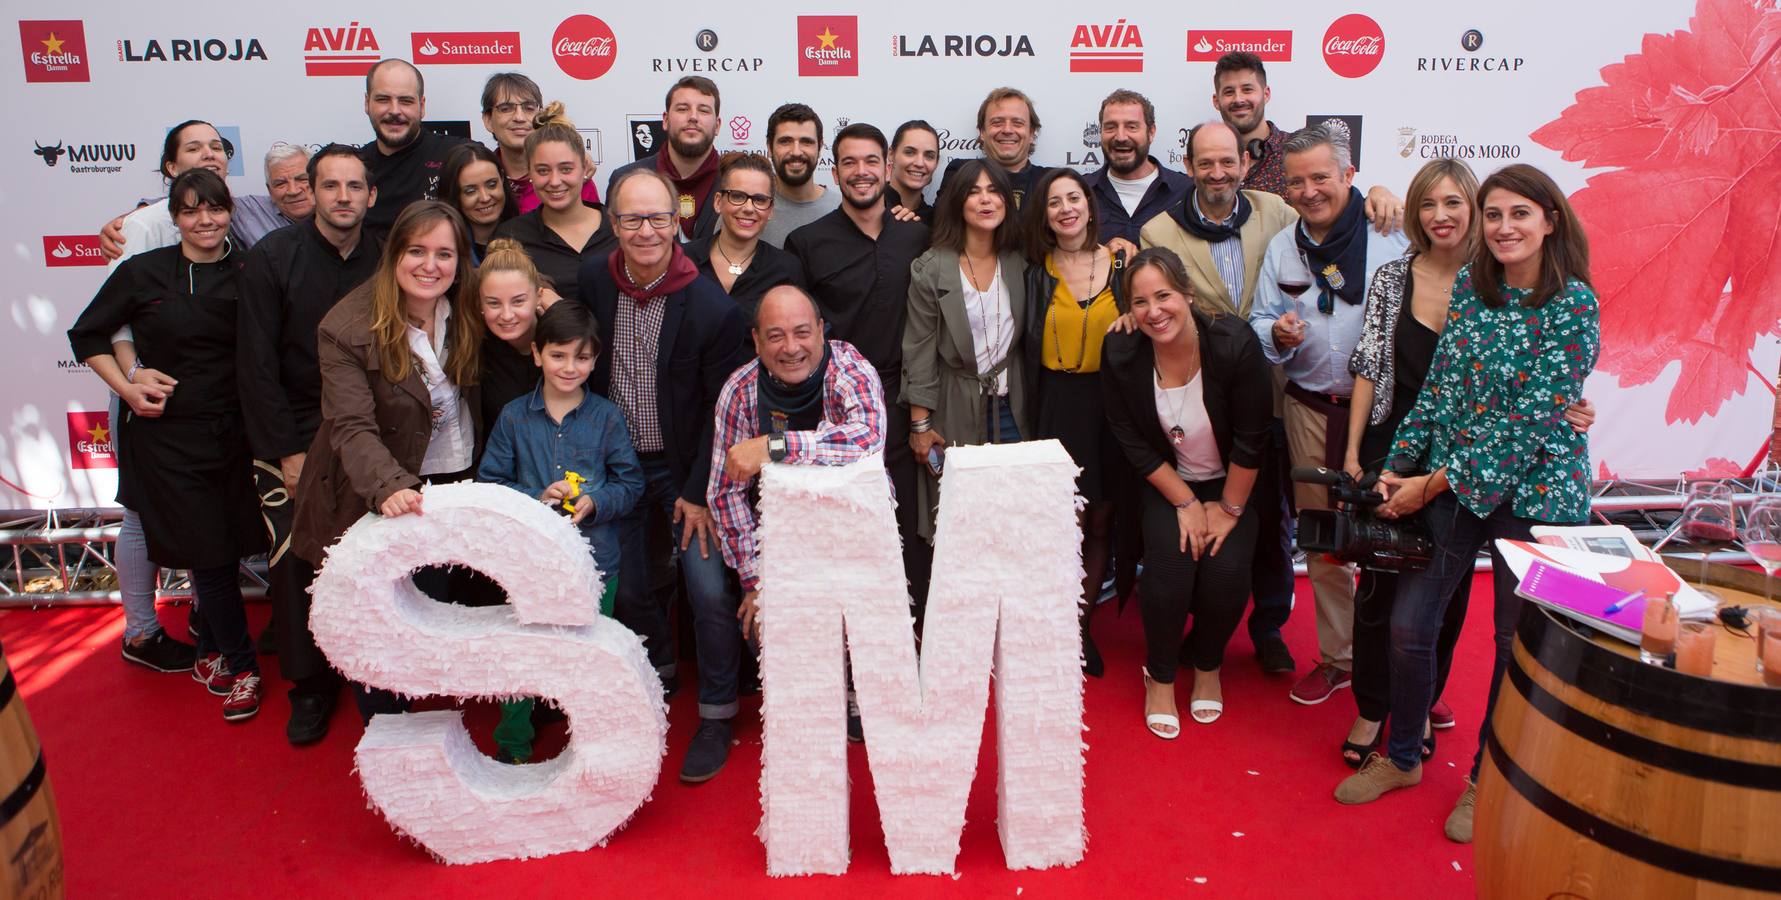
pixel 160 797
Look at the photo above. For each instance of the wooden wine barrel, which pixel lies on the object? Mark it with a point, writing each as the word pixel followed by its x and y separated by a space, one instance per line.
pixel 30 835
pixel 1606 777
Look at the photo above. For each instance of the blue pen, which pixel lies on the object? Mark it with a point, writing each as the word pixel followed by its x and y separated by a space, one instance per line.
pixel 1620 604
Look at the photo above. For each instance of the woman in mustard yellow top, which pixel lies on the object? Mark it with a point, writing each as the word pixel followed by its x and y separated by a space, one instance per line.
pixel 1072 298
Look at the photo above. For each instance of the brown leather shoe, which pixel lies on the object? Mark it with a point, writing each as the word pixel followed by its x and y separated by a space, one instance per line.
pixel 1376 776
pixel 1459 822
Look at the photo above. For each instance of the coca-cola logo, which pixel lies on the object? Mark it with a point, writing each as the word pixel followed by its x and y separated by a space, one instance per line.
pixel 584 47
pixel 1353 46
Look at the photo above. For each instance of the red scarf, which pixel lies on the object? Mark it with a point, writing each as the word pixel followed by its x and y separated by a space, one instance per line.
pixel 681 272
pixel 697 187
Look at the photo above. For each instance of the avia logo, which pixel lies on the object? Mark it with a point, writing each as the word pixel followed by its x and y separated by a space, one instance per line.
pixel 1353 46
pixel 585 47
pixel 89 441
pixel 1208 46
pixel 60 250
pixel 54 51
pixel 87 158
pixel 192 50
pixel 1107 48
pixel 963 45
pixel 466 48
pixel 351 50
pixel 827 45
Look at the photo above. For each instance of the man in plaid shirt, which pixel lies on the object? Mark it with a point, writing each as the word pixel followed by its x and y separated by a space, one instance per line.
pixel 818 403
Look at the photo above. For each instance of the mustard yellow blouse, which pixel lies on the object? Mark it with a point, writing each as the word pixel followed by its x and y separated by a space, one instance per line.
pixel 1073 330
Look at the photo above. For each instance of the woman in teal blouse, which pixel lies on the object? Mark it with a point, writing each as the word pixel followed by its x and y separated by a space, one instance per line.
pixel 1488 430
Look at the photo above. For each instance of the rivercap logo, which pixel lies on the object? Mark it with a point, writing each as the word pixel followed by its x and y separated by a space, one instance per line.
pixel 1353 46
pixel 89 441
pixel 828 45
pixel 585 47
pixel 1472 40
pixel 1208 46
pixel 349 51
pixel 705 40
pixel 54 51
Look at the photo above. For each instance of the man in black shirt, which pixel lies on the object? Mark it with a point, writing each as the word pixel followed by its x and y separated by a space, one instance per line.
pixel 404 159
pixel 291 279
pixel 1007 125
pixel 856 264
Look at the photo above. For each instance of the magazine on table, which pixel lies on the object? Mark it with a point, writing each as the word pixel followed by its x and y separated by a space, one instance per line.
pixel 1606 591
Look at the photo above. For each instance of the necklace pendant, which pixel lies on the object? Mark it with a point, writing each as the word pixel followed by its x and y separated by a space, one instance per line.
pixel 1177 436
pixel 735 269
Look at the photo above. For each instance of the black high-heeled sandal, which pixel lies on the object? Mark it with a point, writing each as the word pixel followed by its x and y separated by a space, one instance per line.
pixel 1354 754
pixel 1428 742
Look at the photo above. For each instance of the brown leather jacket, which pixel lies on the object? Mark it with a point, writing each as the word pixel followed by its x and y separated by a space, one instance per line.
pixel 373 435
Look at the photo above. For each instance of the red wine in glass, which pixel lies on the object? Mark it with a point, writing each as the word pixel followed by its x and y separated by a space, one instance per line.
pixel 1294 289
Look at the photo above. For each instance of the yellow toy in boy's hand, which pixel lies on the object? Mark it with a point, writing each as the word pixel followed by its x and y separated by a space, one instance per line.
pixel 575 481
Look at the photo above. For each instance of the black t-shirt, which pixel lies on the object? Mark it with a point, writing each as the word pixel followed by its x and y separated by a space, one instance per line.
pixel 409 174
pixel 1413 347
pixel 770 268
pixel 507 375
pixel 291 279
pixel 860 284
pixel 552 255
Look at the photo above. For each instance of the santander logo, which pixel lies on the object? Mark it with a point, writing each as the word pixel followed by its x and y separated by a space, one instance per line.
pixel 1353 46
pixel 584 47
pixel 71 250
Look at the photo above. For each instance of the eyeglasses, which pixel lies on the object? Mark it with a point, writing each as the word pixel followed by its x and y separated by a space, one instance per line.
pixel 508 109
pixel 634 221
pixel 737 198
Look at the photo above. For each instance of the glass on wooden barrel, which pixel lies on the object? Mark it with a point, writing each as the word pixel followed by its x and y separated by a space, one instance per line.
pixel 1657 637
pixel 1695 643
pixel 1768 645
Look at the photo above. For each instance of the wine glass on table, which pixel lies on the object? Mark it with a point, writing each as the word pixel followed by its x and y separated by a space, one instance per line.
pixel 1709 517
pixel 1761 536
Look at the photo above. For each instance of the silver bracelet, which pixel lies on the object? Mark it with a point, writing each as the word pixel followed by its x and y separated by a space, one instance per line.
pixel 921 426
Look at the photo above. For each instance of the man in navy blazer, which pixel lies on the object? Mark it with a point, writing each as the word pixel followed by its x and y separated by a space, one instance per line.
pixel 672 337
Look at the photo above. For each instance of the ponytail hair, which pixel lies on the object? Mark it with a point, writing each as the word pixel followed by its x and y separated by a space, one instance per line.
pixel 553 124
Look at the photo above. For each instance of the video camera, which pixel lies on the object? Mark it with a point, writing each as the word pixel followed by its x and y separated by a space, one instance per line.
pixel 1352 533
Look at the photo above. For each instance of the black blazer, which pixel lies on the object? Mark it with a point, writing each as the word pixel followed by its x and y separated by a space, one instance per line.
pixel 1239 394
pixel 702 343
pixel 1039 288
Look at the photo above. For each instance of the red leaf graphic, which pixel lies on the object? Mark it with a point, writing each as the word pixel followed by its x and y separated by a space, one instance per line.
pixel 1717 467
pixel 1685 236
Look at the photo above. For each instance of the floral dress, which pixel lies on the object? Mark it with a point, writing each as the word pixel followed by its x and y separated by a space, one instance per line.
pixel 1492 409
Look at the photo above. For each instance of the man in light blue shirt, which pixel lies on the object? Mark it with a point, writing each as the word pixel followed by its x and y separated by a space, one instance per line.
pixel 1307 313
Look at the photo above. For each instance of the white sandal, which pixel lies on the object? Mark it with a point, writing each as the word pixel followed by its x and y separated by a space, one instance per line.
pixel 1195 707
pixel 1155 720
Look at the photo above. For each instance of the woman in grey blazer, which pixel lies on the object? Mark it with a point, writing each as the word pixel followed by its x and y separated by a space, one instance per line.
pixel 962 372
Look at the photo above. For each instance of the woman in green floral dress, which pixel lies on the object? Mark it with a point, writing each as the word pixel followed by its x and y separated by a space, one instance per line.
pixel 1485 453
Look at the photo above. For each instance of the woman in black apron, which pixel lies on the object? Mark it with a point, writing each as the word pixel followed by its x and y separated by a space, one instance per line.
pixel 184 463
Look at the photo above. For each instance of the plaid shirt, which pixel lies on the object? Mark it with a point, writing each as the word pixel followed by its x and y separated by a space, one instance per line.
pixel 852 428
pixel 636 337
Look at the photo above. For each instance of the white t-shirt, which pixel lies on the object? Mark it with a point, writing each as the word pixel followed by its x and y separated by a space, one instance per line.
pixel 452 442
pixel 1131 193
pixel 1196 453
pixel 992 325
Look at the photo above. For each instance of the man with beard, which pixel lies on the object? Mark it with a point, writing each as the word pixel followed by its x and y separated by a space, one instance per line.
pixel 1307 313
pixel 915 153
pixel 804 402
pixel 794 140
pixel 291 279
pixel 691 115
pixel 856 264
pixel 1240 93
pixel 1132 187
pixel 404 159
pixel 1221 233
pixel 1007 125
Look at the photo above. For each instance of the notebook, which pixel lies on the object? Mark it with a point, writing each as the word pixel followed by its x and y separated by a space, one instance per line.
pixel 1583 600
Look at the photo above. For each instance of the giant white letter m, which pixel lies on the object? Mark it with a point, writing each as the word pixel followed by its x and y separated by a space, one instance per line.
pixel 1007 581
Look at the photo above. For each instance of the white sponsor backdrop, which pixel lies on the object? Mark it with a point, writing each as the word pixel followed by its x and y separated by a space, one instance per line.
pixel 1428 91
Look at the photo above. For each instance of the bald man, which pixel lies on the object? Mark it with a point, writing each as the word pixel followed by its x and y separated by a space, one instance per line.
pixel 821 405
pixel 404 158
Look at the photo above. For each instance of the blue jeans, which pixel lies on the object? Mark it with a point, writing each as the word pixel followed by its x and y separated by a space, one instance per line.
pixel 998 423
pixel 1421 607
pixel 713 603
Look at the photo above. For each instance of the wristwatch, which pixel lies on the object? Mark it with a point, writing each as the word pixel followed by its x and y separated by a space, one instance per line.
pixel 776 446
